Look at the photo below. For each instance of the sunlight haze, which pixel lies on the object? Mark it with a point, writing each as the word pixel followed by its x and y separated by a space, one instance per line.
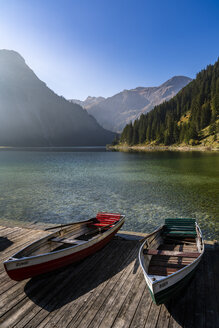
pixel 99 48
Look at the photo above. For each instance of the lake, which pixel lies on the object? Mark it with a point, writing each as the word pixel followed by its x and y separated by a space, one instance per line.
pixel 70 184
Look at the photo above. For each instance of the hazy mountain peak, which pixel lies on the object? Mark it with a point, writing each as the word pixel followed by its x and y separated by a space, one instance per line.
pixel 177 81
pixel 31 114
pixel 88 102
pixel 11 55
pixel 116 111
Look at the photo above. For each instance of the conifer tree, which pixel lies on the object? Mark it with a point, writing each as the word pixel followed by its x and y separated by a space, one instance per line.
pixel 199 101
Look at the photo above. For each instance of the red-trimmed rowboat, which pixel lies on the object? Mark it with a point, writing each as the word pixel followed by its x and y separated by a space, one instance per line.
pixel 71 243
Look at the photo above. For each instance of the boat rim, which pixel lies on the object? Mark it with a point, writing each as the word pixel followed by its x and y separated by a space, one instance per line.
pixel 13 259
pixel 154 282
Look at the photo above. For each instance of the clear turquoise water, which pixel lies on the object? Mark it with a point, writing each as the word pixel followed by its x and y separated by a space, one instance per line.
pixel 62 186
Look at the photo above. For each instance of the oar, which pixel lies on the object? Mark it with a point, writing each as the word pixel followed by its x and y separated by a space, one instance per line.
pixel 68 224
pixel 94 231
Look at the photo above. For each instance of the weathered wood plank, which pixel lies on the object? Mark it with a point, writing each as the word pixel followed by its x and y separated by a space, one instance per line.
pixel 212 309
pixel 56 301
pixel 108 300
pixel 105 290
pixel 7 230
pixel 163 318
pixel 164 261
pixel 153 316
pixel 142 311
pixel 2 228
pixel 129 306
pixel 41 292
pixel 77 305
pixel 21 242
pixel 112 275
pixel 59 296
pixel 90 305
pixel 112 312
pixel 177 308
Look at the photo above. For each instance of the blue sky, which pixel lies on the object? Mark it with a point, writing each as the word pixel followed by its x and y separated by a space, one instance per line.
pixel 101 47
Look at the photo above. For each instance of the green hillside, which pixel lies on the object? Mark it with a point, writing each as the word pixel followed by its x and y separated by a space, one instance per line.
pixel 191 117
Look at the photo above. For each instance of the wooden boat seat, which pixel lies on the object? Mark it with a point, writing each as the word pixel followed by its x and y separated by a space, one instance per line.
pixel 68 241
pixel 171 253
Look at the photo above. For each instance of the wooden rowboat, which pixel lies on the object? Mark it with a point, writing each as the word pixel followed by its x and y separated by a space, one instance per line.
pixel 71 243
pixel 169 257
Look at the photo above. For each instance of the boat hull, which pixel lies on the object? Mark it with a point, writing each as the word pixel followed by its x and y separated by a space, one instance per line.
pixel 164 287
pixel 164 295
pixel 30 269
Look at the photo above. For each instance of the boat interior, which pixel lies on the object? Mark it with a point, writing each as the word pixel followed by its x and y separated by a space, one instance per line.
pixel 171 248
pixel 70 235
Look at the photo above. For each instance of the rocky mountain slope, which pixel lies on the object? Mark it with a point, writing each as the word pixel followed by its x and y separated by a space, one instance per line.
pixel 31 114
pixel 191 117
pixel 115 112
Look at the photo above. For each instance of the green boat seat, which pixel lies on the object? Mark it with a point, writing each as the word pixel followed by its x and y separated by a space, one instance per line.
pixel 180 227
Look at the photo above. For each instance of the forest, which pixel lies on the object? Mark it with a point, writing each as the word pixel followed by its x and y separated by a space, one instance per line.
pixel 183 118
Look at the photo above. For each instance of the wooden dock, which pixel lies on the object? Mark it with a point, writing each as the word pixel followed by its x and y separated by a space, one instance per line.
pixel 105 290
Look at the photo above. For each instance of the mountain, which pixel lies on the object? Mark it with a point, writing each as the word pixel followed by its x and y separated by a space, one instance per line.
pixel 191 117
pixel 88 102
pixel 115 112
pixel 31 114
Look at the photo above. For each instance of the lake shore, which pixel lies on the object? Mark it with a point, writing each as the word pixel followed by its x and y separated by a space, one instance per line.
pixel 148 148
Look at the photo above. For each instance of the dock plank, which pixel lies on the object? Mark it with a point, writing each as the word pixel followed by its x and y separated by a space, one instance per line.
pixel 92 305
pixel 66 290
pixel 153 316
pixel 130 304
pixel 142 311
pixel 163 318
pixel 104 290
pixel 213 306
pixel 113 310
pixel 104 308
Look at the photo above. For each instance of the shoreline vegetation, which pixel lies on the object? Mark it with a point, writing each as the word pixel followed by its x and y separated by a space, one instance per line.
pixel 152 147
pixel 189 121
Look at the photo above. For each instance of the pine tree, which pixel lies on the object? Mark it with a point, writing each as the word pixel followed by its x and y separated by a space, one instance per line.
pixel 135 133
pixel 199 100
pixel 130 134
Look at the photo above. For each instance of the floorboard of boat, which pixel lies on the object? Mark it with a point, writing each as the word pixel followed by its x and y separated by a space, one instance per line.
pixel 105 290
pixel 165 264
pixel 178 247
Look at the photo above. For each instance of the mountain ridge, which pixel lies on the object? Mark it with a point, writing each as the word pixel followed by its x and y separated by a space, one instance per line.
pixel 31 114
pixel 116 111
pixel 190 117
